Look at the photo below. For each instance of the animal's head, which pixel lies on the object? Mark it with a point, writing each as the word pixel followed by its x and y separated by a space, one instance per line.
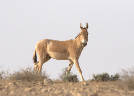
pixel 83 35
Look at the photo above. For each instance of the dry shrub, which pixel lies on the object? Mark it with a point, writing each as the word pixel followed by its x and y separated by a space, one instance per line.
pixel 2 73
pixel 127 78
pixel 28 74
pixel 63 74
pixel 68 77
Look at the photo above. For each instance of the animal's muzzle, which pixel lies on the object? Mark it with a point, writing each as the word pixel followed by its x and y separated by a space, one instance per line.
pixel 84 44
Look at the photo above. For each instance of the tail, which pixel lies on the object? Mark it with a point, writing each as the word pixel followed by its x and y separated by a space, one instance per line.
pixel 34 57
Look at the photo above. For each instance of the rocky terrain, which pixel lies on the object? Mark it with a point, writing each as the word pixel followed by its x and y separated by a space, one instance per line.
pixel 49 88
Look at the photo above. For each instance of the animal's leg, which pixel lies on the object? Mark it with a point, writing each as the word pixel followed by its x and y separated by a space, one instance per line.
pixel 78 68
pixel 70 65
pixel 38 66
pixel 47 58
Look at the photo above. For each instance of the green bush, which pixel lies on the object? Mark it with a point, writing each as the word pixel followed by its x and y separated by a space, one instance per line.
pixel 115 77
pixel 68 77
pixel 101 77
pixel 105 77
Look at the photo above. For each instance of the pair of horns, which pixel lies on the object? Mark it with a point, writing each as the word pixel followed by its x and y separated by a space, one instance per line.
pixel 81 27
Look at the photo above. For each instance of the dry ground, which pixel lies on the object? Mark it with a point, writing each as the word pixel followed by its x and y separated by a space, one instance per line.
pixel 38 88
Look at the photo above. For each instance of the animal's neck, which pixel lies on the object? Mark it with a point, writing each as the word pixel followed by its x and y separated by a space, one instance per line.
pixel 78 44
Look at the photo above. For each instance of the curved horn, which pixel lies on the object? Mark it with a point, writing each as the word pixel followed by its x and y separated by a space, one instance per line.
pixel 81 27
pixel 87 25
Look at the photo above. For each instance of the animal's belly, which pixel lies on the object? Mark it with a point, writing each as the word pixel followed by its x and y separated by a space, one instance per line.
pixel 59 56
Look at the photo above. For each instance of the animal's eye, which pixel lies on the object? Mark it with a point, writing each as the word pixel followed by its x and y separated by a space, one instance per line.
pixel 87 34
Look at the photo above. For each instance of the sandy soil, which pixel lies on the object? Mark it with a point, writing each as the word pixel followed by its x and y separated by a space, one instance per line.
pixel 92 88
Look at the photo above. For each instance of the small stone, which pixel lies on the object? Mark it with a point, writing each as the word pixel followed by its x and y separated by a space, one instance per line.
pixel 48 81
pixel 11 92
pixel 29 89
pixel 92 94
pixel 97 90
pixel 79 94
pixel 82 89
pixel 33 93
pixel 7 87
pixel 112 90
pixel 1 88
pixel 12 83
pixel 56 92
pixel 6 91
pixel 131 92
pixel 88 90
pixel 40 83
pixel 71 84
pixel 73 93
pixel 116 89
pixel 49 89
pixel 44 90
pixel 76 88
pixel 84 83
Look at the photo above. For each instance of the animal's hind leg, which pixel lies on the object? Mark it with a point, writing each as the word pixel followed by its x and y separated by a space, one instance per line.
pixel 36 68
pixel 40 65
pixel 47 58
pixel 70 65
pixel 42 61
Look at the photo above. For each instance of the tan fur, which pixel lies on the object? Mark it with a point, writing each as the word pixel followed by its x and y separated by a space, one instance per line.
pixel 61 50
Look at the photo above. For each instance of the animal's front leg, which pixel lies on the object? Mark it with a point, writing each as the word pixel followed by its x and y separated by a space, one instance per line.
pixel 78 68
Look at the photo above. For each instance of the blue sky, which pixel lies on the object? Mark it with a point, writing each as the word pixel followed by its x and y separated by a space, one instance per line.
pixel 111 33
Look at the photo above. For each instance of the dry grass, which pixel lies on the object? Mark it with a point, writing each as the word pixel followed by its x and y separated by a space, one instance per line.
pixel 25 74
pixel 127 77
pixel 28 74
pixel 2 73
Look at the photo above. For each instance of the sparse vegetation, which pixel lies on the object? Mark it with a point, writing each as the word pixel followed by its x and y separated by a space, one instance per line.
pixel 127 77
pixel 42 85
pixel 115 77
pixel 2 73
pixel 105 77
pixel 28 74
pixel 68 77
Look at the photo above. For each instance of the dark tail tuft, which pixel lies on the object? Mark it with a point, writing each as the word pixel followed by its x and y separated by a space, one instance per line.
pixel 34 57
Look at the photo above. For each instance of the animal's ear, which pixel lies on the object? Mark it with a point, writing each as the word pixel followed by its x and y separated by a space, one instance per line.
pixel 81 27
pixel 87 25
